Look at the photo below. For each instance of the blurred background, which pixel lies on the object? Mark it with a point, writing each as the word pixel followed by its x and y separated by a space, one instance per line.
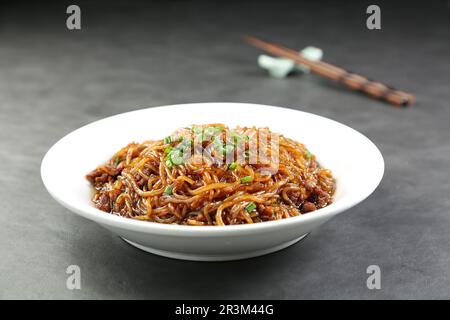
pixel 130 55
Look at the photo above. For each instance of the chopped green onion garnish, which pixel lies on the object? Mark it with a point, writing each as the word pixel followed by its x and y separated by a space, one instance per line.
pixel 210 132
pixel 250 207
pixel 168 190
pixel 168 150
pixel 246 179
pixel 117 161
pixel 308 154
pixel 180 138
pixel 169 163
pixel 186 144
pixel 232 166
pixel 176 159
pixel 167 140
pixel 176 156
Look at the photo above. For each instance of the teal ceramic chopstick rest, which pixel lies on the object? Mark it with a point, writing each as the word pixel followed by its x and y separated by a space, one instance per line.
pixel 282 67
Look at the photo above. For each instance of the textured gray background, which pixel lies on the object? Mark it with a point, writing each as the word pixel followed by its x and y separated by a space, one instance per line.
pixel 53 81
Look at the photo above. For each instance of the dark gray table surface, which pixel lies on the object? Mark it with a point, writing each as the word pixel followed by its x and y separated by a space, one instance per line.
pixel 53 81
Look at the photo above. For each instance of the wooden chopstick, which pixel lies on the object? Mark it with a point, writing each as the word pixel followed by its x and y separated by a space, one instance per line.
pixel 352 80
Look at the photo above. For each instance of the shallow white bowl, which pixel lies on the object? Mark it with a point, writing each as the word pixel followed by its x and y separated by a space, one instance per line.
pixel 355 161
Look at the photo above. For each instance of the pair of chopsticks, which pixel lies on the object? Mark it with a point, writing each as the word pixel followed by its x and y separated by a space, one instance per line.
pixel 354 81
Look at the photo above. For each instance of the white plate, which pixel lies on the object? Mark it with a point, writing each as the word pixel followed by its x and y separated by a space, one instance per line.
pixel 355 161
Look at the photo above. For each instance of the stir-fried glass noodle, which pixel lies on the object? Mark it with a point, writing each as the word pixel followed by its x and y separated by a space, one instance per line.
pixel 212 175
